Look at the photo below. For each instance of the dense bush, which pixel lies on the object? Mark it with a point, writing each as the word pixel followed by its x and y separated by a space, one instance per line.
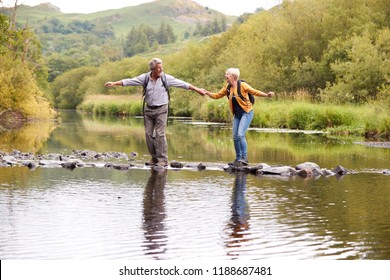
pixel 23 75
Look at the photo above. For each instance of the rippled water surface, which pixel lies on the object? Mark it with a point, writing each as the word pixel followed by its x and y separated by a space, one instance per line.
pixel 101 213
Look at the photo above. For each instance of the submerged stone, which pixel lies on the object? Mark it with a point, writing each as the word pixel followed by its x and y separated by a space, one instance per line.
pixel 176 164
pixel 69 165
pixel 340 170
pixel 278 170
pixel 122 166
pixel 201 166
pixel 308 165
pixel 52 160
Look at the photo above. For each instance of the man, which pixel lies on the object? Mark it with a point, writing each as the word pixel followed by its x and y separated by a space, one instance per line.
pixel 156 109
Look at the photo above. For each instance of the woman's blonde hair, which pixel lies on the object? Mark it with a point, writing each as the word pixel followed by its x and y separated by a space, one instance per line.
pixel 235 72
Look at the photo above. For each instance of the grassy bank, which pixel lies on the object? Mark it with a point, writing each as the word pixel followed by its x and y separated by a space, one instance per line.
pixel 367 120
pixel 111 105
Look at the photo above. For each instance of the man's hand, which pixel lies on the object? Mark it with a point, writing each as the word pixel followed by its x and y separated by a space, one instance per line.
pixel 109 84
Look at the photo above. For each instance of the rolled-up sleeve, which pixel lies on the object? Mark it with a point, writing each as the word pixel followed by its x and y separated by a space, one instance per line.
pixel 220 93
pixel 248 89
pixel 173 82
pixel 137 81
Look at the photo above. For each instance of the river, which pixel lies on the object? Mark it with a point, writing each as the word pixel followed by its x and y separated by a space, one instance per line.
pixel 103 213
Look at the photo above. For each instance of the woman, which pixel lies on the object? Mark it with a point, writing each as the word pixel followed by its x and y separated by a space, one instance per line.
pixel 242 109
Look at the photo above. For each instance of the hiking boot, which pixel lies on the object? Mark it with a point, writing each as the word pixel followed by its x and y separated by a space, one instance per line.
pixel 235 163
pixel 244 161
pixel 151 162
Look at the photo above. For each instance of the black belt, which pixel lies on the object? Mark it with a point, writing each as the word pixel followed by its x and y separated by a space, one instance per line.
pixel 155 107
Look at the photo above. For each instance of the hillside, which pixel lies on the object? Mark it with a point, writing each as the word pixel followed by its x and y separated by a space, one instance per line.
pixel 182 15
pixel 72 40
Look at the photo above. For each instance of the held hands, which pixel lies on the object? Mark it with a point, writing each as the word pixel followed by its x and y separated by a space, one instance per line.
pixel 201 91
pixel 206 92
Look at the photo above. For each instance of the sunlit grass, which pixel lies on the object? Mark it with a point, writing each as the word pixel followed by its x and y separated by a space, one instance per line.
pixel 363 120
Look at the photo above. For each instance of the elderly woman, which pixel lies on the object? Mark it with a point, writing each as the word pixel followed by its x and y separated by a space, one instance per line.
pixel 242 108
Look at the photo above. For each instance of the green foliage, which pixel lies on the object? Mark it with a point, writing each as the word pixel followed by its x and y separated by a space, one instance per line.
pixel 111 106
pixel 336 119
pixel 19 91
pixel 299 46
pixel 337 51
pixel 184 103
pixel 211 27
pixel 69 89
pixel 217 111
pixel 23 73
pixel 307 74
pixel 4 30
pixel 144 38
pixel 68 45
pixel 361 72
pixel 165 34
pixel 301 117
pixel 101 37
pixel 376 121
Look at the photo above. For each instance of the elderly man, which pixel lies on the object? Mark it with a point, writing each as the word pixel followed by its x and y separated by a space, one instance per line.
pixel 156 89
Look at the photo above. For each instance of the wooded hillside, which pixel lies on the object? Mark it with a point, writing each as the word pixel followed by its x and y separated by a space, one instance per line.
pixel 70 41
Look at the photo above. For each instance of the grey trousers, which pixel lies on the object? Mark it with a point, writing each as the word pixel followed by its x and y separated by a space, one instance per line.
pixel 155 122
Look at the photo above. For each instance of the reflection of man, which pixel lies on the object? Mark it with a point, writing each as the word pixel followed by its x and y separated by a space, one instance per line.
pixel 239 222
pixel 154 213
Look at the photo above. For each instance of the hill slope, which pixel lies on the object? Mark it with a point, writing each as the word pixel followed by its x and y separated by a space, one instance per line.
pixel 71 40
pixel 182 15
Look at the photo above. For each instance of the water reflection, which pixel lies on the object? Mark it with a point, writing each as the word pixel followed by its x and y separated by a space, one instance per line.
pixel 238 226
pixel 30 137
pixel 154 214
pixel 288 218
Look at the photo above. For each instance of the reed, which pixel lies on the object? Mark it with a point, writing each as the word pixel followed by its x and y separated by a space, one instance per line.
pixel 363 120
pixel 112 105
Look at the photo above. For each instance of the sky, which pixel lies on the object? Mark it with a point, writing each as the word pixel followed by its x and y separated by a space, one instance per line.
pixel 235 8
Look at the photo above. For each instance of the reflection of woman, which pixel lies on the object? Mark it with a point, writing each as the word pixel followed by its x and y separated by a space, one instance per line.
pixel 241 108
pixel 239 222
pixel 154 213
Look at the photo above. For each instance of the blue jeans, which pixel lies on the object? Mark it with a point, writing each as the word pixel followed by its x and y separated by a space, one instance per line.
pixel 240 126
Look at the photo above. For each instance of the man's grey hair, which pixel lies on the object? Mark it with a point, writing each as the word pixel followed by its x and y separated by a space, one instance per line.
pixel 154 62
pixel 235 72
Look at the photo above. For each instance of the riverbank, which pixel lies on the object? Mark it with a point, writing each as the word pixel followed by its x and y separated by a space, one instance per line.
pixel 369 120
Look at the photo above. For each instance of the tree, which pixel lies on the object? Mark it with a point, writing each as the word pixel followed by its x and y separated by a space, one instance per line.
pixel 165 34
pixel 68 90
pixel 23 70
pixel 361 72
pixel 136 42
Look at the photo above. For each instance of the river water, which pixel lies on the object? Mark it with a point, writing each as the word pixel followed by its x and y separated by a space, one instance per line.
pixel 102 213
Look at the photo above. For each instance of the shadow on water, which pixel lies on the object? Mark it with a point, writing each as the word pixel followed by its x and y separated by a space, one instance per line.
pixel 154 214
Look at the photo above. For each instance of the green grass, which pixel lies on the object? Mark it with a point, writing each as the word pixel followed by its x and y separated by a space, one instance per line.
pixel 112 105
pixel 364 120
pixel 122 20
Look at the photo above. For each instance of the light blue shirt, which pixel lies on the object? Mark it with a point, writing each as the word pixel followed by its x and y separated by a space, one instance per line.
pixel 156 94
